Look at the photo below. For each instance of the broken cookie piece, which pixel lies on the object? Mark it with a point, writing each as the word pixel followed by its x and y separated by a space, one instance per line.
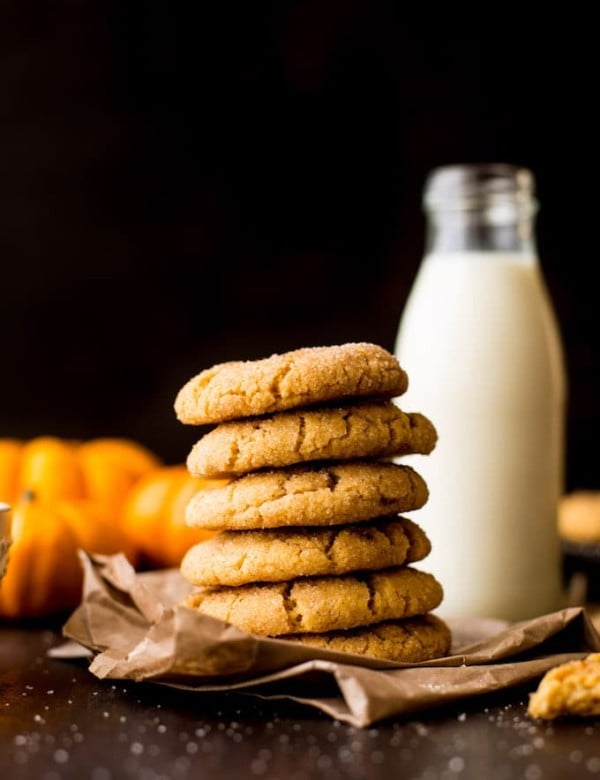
pixel 572 688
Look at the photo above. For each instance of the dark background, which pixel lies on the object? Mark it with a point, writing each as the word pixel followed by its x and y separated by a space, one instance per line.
pixel 186 183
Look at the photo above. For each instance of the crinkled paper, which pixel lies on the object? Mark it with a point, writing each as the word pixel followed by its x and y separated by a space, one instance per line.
pixel 134 627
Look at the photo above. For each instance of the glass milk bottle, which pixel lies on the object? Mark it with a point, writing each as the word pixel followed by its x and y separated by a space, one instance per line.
pixel 480 342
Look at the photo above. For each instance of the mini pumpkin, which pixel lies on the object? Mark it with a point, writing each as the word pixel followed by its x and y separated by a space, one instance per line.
pixel 43 574
pixel 65 495
pixel 154 514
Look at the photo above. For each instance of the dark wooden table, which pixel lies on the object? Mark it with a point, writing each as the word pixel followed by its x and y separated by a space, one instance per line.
pixel 59 721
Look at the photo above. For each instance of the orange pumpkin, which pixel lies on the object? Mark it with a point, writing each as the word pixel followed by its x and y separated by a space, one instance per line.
pixel 43 574
pixel 10 460
pixel 65 495
pixel 102 469
pixel 111 466
pixel 154 514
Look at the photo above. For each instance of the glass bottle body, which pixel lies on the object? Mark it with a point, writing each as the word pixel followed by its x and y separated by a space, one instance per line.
pixel 481 345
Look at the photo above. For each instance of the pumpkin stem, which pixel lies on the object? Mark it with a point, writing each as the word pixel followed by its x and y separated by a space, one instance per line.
pixel 28 495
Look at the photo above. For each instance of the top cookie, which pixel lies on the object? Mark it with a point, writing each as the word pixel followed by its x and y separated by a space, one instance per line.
pixel 302 377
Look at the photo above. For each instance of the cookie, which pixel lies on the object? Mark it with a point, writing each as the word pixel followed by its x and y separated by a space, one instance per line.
pixel 241 557
pixel 406 641
pixel 331 494
pixel 318 604
pixel 571 688
pixel 579 516
pixel 364 430
pixel 302 377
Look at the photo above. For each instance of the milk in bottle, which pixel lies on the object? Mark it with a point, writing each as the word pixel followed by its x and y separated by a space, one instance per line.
pixel 480 342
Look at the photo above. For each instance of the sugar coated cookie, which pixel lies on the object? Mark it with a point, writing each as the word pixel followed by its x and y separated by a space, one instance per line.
pixel 241 557
pixel 319 604
pixel 301 495
pixel 407 641
pixel 302 377
pixel 571 688
pixel 363 430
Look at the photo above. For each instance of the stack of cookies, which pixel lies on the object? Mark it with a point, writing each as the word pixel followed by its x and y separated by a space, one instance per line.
pixel 310 545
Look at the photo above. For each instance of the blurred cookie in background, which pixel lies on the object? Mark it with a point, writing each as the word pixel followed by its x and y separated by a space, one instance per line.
pixel 579 529
pixel 579 516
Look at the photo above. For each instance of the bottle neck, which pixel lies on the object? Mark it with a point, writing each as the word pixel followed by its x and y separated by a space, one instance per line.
pixel 504 227
pixel 480 208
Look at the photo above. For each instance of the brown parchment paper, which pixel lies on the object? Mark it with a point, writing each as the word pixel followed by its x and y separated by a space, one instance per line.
pixel 132 626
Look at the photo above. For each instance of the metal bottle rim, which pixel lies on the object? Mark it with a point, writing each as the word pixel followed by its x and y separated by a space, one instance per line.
pixel 477 185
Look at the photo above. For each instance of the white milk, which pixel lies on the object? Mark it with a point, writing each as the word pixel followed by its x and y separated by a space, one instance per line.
pixel 481 347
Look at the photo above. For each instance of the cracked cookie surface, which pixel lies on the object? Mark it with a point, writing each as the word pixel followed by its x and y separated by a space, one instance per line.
pixel 332 494
pixel 319 604
pixel 276 555
pixel 405 641
pixel 363 430
pixel 302 377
